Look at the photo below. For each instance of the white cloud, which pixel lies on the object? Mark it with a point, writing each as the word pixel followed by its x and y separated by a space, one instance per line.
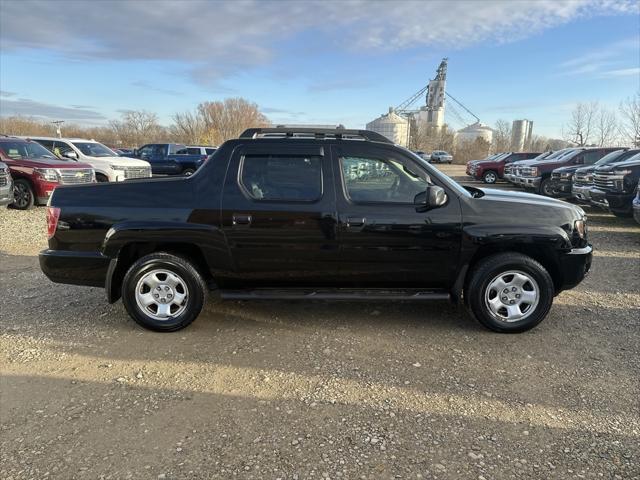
pixel 604 61
pixel 622 72
pixel 217 39
pixel 32 108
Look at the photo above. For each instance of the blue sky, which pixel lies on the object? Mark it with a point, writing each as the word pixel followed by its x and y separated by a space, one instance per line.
pixel 315 62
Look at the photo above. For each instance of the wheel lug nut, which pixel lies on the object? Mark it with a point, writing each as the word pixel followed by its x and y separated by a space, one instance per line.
pixel 155 295
pixel 504 299
pixel 512 302
pixel 506 290
pixel 518 295
pixel 513 289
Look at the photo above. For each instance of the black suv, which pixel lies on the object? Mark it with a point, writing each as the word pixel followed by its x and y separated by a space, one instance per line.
pixel 330 214
pixel 616 185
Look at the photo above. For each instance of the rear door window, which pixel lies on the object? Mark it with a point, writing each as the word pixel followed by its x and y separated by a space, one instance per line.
pixel 285 178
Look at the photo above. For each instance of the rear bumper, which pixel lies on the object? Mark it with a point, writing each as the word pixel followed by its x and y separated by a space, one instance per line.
pixel 574 266
pixel 75 268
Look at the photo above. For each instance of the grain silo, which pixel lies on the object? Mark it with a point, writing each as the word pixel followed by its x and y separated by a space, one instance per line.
pixel 473 132
pixel 521 132
pixel 392 126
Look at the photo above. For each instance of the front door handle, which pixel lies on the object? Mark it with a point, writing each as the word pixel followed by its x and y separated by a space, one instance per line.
pixel 241 220
pixel 355 222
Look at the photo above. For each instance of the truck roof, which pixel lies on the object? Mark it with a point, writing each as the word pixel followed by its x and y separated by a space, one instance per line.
pixel 306 133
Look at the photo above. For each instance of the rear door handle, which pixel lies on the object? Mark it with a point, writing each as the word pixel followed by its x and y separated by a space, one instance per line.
pixel 241 220
pixel 355 222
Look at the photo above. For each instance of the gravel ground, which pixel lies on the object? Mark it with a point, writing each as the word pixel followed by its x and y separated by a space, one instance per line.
pixel 318 390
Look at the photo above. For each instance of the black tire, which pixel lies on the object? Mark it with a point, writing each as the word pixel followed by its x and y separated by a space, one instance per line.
pixel 486 270
pixel 188 172
pixel 100 178
pixel 545 188
pixel 23 196
pixel 490 177
pixel 196 289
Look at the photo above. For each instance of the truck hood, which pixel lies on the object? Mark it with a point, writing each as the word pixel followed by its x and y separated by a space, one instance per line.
pixel 125 161
pixel 529 199
pixel 568 169
pixel 618 166
pixel 48 163
pixel 487 163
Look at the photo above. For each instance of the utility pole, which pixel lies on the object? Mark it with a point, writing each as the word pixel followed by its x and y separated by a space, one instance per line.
pixel 57 123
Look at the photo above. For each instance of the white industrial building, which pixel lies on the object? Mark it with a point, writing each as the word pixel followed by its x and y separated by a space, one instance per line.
pixel 473 132
pixel 392 126
pixel 521 132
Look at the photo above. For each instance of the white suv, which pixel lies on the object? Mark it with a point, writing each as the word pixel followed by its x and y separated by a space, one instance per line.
pixel 108 165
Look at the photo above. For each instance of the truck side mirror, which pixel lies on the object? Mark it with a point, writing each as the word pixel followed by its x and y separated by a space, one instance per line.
pixel 432 197
pixel 70 154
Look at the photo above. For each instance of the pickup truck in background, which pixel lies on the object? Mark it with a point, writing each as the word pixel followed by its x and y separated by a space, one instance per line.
pixel 616 185
pixel 172 158
pixel 490 171
pixel 582 181
pixel 536 174
pixel 275 215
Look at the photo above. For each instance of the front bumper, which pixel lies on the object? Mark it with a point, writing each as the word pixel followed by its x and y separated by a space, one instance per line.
pixel 574 266
pixel 582 192
pixel 528 182
pixel 561 188
pixel 598 198
pixel 75 268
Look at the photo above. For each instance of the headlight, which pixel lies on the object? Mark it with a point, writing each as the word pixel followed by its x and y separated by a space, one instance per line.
pixel 580 227
pixel 117 167
pixel 48 174
pixel 566 176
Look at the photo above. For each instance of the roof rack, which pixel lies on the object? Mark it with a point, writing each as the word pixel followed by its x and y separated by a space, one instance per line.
pixel 338 133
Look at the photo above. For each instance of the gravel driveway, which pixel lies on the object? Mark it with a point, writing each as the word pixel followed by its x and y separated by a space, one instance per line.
pixel 318 390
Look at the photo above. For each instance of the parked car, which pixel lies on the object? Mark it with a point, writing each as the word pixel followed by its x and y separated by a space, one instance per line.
pixel 615 186
pixel 440 156
pixel 536 175
pixel 123 152
pixel 494 156
pixel 636 204
pixel 562 178
pixel 109 167
pixel 273 215
pixel 172 158
pixel 583 177
pixel 490 171
pixel 37 172
pixel 509 168
pixel 424 155
pixel 6 185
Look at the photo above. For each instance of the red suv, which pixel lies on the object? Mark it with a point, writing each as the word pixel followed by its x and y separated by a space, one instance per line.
pixel 37 172
pixel 492 169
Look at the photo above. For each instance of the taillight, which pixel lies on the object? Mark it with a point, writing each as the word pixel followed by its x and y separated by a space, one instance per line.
pixel 53 214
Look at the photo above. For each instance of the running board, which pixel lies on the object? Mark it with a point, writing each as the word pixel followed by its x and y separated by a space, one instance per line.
pixel 381 294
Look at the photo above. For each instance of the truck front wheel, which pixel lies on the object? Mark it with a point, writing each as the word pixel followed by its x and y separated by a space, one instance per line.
pixel 509 292
pixel 163 292
pixel 490 177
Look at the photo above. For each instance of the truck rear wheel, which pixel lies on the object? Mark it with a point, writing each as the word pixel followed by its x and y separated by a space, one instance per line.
pixel 163 292
pixel 509 292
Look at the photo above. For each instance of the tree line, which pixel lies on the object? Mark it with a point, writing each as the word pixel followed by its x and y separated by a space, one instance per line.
pixel 211 123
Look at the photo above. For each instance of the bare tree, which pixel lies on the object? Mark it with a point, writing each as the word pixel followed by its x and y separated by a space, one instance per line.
pixel 630 121
pixel 471 150
pixel 606 127
pixel 188 128
pixel 137 127
pixel 229 118
pixel 580 126
pixel 501 136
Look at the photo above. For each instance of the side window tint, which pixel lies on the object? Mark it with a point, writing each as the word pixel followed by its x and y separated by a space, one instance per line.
pixel 378 180
pixel 282 177
pixel 193 151
pixel 592 157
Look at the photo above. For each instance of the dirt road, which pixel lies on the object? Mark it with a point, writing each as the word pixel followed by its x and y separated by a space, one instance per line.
pixel 318 390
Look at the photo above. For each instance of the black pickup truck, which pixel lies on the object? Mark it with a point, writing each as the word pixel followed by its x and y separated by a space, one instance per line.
pixel 329 214
pixel 615 186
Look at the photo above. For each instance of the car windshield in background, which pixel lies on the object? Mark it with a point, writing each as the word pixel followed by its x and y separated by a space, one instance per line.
pixel 610 157
pixel 92 149
pixel 560 154
pixel 20 150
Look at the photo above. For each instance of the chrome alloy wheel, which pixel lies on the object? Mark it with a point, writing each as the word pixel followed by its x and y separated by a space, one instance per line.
pixel 162 294
pixel 512 296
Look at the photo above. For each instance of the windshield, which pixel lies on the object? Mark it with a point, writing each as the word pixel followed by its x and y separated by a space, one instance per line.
pixel 92 149
pixel 20 149
pixel 617 156
pixel 561 153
